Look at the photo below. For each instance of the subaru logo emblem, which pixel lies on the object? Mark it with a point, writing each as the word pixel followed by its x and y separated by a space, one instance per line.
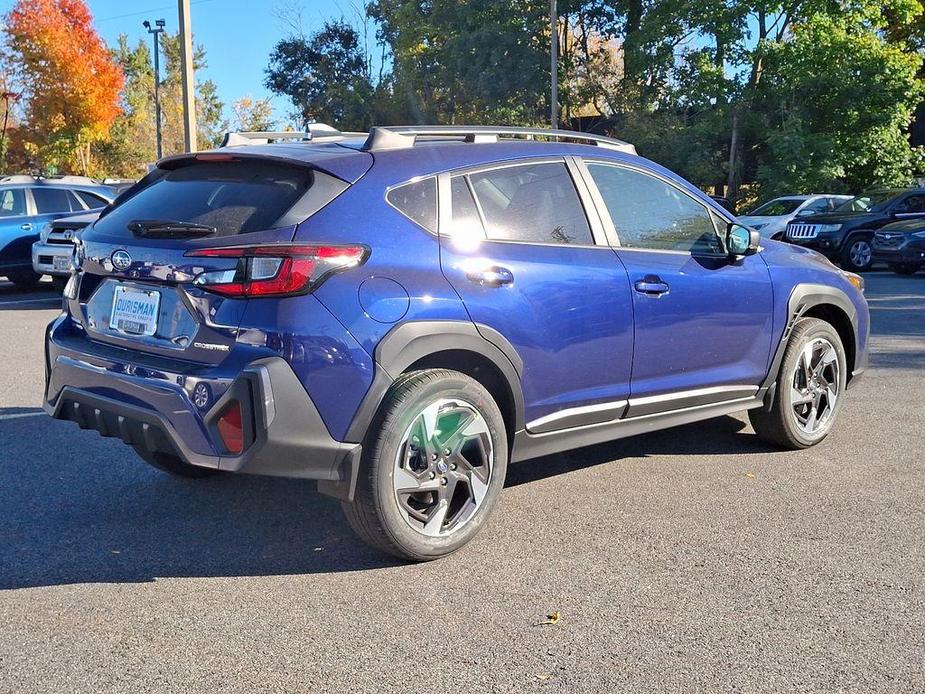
pixel 121 260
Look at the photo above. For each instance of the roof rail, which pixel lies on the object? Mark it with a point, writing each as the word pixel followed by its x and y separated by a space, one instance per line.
pixel 66 179
pixel 19 178
pixel 73 180
pixel 314 132
pixel 405 136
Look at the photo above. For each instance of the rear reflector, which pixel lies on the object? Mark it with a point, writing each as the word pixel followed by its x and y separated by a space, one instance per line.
pixel 231 429
pixel 278 270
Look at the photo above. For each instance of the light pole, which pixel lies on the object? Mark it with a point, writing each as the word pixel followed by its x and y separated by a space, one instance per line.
pixel 158 28
pixel 554 64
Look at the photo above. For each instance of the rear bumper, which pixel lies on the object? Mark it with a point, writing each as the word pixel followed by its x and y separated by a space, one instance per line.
pixel 153 412
pixel 44 254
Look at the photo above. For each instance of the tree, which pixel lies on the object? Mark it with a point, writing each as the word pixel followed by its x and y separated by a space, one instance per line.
pixel 471 62
pixel 252 115
pixel 835 103
pixel 132 142
pixel 325 75
pixel 68 80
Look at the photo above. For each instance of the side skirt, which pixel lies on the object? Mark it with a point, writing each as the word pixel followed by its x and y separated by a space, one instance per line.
pixel 527 445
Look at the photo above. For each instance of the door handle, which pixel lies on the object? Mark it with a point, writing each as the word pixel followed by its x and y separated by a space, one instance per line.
pixel 651 285
pixel 26 226
pixel 494 276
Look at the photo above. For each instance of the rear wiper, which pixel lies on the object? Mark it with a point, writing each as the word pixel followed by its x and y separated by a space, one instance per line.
pixel 169 229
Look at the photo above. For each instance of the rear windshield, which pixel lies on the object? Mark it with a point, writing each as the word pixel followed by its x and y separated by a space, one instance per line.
pixel 234 197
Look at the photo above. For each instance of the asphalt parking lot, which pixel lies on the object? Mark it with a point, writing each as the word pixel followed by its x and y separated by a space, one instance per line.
pixel 691 560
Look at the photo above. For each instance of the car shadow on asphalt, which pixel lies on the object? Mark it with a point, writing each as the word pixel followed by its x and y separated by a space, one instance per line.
pixel 720 436
pixel 75 508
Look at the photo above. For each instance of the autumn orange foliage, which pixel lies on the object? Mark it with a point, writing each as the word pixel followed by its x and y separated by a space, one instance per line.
pixel 70 82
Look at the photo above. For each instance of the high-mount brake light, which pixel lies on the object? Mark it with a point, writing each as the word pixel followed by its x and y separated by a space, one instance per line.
pixel 214 157
pixel 275 270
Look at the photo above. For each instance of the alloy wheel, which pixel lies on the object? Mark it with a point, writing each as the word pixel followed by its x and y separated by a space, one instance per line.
pixel 815 385
pixel 443 467
pixel 860 253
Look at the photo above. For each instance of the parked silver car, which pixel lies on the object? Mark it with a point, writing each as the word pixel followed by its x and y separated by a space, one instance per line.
pixel 51 254
pixel 772 217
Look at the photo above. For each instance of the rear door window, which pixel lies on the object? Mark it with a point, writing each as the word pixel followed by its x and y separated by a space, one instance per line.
pixel 55 200
pixel 533 203
pixel 234 197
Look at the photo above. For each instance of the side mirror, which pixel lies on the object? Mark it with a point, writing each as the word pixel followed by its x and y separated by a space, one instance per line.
pixel 741 240
pixel 806 213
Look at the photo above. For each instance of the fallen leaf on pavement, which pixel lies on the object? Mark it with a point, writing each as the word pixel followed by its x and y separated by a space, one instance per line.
pixel 552 618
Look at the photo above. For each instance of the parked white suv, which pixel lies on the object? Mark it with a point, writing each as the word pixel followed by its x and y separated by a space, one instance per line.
pixel 772 217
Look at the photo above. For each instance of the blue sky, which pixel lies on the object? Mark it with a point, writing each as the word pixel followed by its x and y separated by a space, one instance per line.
pixel 237 35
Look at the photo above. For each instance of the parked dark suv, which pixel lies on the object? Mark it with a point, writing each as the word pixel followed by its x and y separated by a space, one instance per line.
pixel 400 315
pixel 901 245
pixel 845 234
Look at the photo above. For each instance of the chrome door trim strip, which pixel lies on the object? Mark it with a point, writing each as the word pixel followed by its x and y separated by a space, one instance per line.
pixel 653 404
pixel 577 417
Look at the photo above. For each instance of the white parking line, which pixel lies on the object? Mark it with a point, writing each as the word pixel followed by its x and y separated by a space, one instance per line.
pixel 21 415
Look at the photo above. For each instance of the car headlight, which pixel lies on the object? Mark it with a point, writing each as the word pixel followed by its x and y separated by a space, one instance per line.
pixel 919 234
pixel 44 232
pixel 828 228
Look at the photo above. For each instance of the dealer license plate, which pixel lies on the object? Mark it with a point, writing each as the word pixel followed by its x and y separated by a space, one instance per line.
pixel 134 311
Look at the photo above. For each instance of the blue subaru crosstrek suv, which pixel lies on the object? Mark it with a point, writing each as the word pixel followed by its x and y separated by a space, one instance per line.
pixel 400 315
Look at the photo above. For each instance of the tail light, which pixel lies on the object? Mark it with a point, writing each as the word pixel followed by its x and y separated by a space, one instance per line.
pixel 280 270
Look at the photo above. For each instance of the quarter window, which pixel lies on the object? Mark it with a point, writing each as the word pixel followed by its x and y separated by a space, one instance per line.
pixel 533 203
pixel 417 201
pixel 90 200
pixel 652 214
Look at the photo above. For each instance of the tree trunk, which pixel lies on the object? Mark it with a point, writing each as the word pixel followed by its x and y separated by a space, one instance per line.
pixel 632 67
pixel 732 180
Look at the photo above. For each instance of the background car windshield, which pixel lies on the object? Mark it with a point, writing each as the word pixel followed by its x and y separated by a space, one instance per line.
pixel 775 208
pixel 866 202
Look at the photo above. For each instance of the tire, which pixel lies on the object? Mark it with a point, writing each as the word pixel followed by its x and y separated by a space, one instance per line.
pixel 407 523
pixel 905 268
pixel 857 254
pixel 58 283
pixel 172 465
pixel 784 424
pixel 24 279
